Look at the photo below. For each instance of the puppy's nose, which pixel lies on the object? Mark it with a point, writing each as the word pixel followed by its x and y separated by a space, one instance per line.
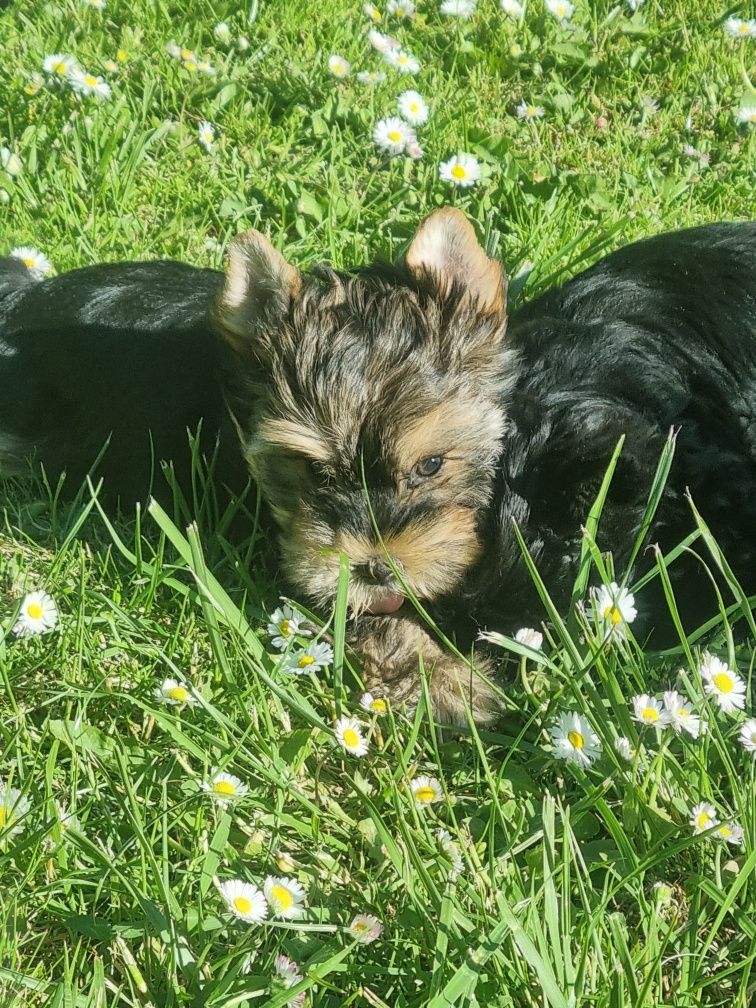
pixel 374 572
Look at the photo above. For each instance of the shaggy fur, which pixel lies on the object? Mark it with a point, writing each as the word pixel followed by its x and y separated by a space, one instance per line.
pixel 396 416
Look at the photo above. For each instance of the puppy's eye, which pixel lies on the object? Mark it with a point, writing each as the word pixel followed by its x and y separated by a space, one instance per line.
pixel 428 466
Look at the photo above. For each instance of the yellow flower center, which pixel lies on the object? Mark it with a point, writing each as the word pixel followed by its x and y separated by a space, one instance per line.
pixel 282 897
pixel 650 714
pixel 351 738
pixel 458 172
pixel 285 627
pixel 242 904
pixel 561 10
pixel 179 694
pixel 30 264
pixel 575 739
pixel 723 682
pixel 122 56
pixel 90 80
pixel 531 110
pixel 743 29
pixel 414 108
pixel 376 15
pixel 425 794
pixel 190 65
pixel 612 614
pixel 4 817
pixel 305 660
pixel 753 738
pixel 703 820
pixel 359 926
pixel 187 54
pixel 61 67
pixel 724 831
pixel 224 787
pixel 402 60
pixel 378 705
pixel 34 610
pixel 394 136
pixel 682 712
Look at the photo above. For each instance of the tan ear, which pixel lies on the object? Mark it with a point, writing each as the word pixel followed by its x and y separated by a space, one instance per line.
pixel 259 287
pixel 446 251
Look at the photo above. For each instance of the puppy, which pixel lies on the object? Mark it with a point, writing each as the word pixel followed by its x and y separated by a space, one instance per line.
pixel 395 416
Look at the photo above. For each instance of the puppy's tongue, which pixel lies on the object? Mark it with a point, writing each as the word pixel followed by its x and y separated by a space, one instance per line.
pixel 386 604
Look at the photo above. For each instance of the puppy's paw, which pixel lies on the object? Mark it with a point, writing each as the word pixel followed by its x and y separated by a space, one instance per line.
pixel 390 649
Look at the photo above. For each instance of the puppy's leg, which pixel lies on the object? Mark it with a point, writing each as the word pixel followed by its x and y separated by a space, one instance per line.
pixel 390 650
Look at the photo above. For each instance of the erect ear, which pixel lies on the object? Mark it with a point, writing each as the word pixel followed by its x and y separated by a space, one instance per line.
pixel 446 252
pixel 259 287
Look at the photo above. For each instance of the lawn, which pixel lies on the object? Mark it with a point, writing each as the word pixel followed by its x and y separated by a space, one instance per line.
pixel 533 881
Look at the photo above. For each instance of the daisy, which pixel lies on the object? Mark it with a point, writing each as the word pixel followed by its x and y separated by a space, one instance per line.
pixel 372 12
pixel 365 928
pixel 426 791
pixel 375 705
pixel 13 809
pixel 59 66
pixel 171 691
pixel 173 50
pixel 188 54
pixel 190 65
pixel 287 971
pixel 222 32
pixel 242 43
pixel 10 162
pixel 371 76
pixel 615 607
pixel 721 683
pixel 512 8
pixel 562 10
pixel 284 624
pixel 461 170
pixel 224 788
pixel 392 135
pixel 402 61
pixel 348 732
pixel 529 638
pixel 206 68
pixel 244 900
pixel 38 614
pixel 574 739
pixel 747 736
pixel 311 659
pixel 97 4
pixel 414 150
pixel 451 850
pixel 285 897
pixel 739 28
pixel 681 717
pixel 649 105
pixel 206 135
pixel 338 66
pixel 703 817
pixel 88 84
pixel 731 832
pixel 635 5
pixel 747 114
pixel 648 710
pixel 412 108
pixel 526 111
pixel 66 820
pixel 382 43
pixel 458 8
pixel 401 8
pixel 624 748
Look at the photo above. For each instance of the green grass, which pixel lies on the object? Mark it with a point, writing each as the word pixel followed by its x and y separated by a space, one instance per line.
pixel 558 902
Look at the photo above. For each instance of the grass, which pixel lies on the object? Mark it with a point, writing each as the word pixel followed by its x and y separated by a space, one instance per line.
pixel 578 888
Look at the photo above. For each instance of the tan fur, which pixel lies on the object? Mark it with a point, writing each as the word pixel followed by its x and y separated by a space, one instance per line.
pixel 454 429
pixel 295 438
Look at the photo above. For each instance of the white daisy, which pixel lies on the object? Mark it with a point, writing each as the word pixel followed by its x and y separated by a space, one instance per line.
pixel 739 28
pixel 648 710
pixel 13 809
pixel 223 33
pixel 206 68
pixel 34 260
pixel 88 84
pixel 382 43
pixel 747 736
pixel 58 66
pixel 635 5
pixel 66 819
pixel 348 732
pixel 562 10
pixel 206 135
pixel 375 705
pixel 285 897
pixel 224 788
pixel 38 614
pixel 97 4
pixel 624 748
pixel 372 12
pixel 512 8
pixel 171 691
pixel 722 684
pixel 528 111
pixel 403 61
pixel 392 135
pixel 188 55
pixel 365 928
pixel 284 624
pixel 310 659
pixel 371 76
pixel 412 107
pixel 731 832
pixel 451 850
pixel 458 8
pixel 574 740
pixel 244 900
pixel 401 8
pixel 703 817
pixel 615 607
pixel 649 105
pixel 529 638
pixel 747 114
pixel 426 791
pixel 338 66
pixel 242 43
pixel 461 170
pixel 414 150
pixel 681 716
pixel 287 971
pixel 173 50
pixel 10 162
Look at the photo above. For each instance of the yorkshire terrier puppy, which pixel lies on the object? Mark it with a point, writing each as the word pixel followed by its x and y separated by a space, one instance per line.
pixel 396 417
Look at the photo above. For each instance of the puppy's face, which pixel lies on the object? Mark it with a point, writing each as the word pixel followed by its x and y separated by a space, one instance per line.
pixel 369 409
